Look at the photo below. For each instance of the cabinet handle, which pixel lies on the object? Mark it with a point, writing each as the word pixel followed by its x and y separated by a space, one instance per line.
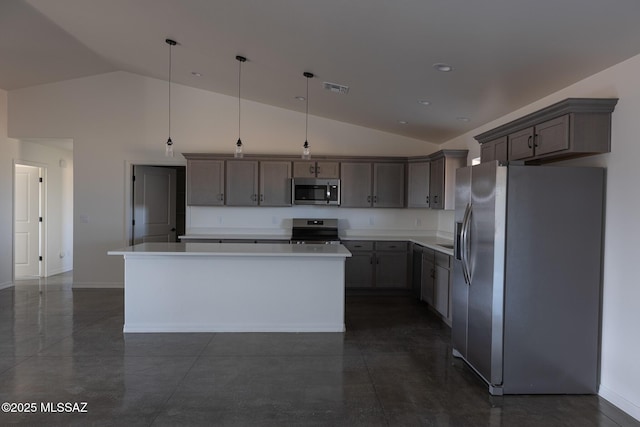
pixel 529 141
pixel 435 199
pixel 535 140
pixel 427 199
pixel 368 199
pixel 370 259
pixel 221 196
pixel 375 199
pixel 317 170
pixel 262 197
pixel 311 170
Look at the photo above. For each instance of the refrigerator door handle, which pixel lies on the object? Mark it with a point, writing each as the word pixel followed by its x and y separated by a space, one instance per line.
pixel 464 243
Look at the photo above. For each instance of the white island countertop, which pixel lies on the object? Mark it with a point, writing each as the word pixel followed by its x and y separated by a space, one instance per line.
pixel 233 250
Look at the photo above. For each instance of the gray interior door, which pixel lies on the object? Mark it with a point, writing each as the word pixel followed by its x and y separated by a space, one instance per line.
pixel 154 204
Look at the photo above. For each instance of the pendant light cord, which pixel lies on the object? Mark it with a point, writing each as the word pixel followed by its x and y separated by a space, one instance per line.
pixel 239 81
pixel 306 125
pixel 170 45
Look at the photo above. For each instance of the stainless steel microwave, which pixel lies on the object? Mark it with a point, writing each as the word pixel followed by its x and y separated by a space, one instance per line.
pixel 315 191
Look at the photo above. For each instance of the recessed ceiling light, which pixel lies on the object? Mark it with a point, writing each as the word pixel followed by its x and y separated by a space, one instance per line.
pixel 463 119
pixel 301 98
pixel 424 102
pixel 403 122
pixel 196 74
pixel 445 68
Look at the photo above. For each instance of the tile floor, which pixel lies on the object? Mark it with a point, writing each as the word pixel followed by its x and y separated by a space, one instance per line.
pixel 393 367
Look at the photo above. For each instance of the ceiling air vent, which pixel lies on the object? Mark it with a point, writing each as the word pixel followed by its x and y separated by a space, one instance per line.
pixel 334 87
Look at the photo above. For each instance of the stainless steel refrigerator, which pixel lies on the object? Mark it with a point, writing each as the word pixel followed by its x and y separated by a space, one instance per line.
pixel 527 276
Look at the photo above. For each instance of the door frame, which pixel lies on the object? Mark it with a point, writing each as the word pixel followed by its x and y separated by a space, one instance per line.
pixel 128 190
pixel 43 209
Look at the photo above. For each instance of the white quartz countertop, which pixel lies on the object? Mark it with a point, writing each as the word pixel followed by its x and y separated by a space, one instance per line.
pixel 235 236
pixel 233 249
pixel 431 242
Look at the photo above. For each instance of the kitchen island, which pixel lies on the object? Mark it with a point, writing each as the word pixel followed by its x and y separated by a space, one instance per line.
pixel 227 287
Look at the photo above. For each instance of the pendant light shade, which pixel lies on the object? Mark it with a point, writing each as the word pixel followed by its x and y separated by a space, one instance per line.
pixel 238 153
pixel 168 151
pixel 306 151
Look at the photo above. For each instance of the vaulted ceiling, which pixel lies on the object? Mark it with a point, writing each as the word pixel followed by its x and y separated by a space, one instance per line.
pixel 504 53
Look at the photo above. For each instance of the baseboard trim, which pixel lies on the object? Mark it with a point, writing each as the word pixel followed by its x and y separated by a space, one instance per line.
pixel 98 285
pixel 6 285
pixel 619 401
pixel 58 271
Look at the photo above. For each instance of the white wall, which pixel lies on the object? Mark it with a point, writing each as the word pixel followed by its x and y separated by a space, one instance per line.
pixel 620 371
pixel 59 201
pixel 8 150
pixel 119 118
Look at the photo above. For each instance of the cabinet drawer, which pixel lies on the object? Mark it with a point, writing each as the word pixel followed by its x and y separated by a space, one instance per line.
pixel 358 245
pixel 395 246
pixel 442 260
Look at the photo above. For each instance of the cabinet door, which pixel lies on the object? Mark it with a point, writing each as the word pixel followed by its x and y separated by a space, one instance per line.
pixel 275 183
pixel 304 169
pixel 427 291
pixel 355 185
pixel 418 188
pixel 552 135
pixel 494 150
pixel 501 151
pixel 242 183
pixel 328 170
pixel 521 144
pixel 205 182
pixel 488 152
pixel 388 185
pixel 391 270
pixel 441 291
pixel 436 184
pixel 359 270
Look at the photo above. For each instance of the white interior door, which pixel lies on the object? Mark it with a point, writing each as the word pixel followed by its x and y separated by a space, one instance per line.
pixel 27 221
pixel 154 204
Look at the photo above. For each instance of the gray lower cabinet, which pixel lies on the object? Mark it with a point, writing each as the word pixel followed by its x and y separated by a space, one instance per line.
pixel 205 182
pixel 365 184
pixel 359 267
pixel 242 183
pixel 275 183
pixel 377 265
pixel 435 282
pixel 428 274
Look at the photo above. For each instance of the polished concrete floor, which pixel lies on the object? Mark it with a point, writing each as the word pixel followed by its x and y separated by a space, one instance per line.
pixel 393 367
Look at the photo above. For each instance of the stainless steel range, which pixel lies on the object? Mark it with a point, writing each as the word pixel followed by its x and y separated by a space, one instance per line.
pixel 315 230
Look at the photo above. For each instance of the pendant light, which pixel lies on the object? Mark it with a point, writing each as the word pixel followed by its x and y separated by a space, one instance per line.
pixel 169 145
pixel 238 153
pixel 306 151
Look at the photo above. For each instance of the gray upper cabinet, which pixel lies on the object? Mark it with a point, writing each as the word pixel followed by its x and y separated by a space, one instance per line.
pixel 355 185
pixel 205 182
pixel 442 177
pixel 275 183
pixel 494 150
pixel 365 184
pixel 418 185
pixel 388 185
pixel 571 128
pixel 545 138
pixel 242 183
pixel 319 169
